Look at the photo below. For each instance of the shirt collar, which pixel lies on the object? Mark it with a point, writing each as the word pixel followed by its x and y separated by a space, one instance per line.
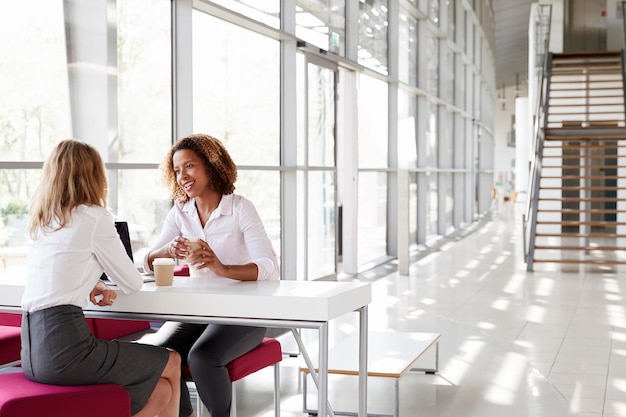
pixel 225 208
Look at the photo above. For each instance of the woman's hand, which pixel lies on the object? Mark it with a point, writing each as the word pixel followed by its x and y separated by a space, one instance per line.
pixel 178 248
pixel 206 258
pixel 102 295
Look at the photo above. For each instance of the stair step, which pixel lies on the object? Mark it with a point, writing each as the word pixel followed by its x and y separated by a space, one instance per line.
pixel 585 89
pixel 580 177
pixel 574 211
pixel 583 199
pixel 583 113
pixel 574 73
pixel 583 248
pixel 582 166
pixel 583 235
pixel 590 188
pixel 583 146
pixel 579 156
pixel 599 97
pixel 570 223
pixel 580 261
pixel 585 105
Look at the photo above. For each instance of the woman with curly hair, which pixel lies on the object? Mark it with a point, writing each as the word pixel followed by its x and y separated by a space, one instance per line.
pixel 201 175
pixel 74 241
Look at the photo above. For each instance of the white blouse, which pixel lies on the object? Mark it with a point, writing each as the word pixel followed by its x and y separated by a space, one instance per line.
pixel 65 265
pixel 234 232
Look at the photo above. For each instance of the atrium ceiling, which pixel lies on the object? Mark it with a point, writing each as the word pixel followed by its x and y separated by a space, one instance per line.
pixel 511 54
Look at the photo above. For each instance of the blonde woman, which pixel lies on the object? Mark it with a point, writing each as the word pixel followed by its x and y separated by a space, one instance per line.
pixel 74 241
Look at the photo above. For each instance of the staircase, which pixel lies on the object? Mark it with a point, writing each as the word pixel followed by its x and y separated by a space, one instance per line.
pixel 580 193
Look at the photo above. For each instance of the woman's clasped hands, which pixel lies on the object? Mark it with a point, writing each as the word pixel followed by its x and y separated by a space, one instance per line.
pixel 197 253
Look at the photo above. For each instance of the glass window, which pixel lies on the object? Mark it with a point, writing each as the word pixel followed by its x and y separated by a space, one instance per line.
pixel 264 11
pixel 432 69
pixel 263 189
pixel 144 115
pixel 433 11
pixel 322 23
pixel 301 113
pixel 451 18
pixel 432 206
pixel 144 207
pixel 461 20
pixel 448 75
pixel 321 116
pixel 301 226
pixel 144 80
pixel 413 208
pixel 235 101
pixel 446 188
pixel 35 105
pixel 322 225
pixel 432 135
pixel 373 151
pixel 407 152
pixel 407 71
pixel 373 127
pixel 407 116
pixel 321 206
pixel 372 217
pixel 16 186
pixel 34 110
pixel 373 26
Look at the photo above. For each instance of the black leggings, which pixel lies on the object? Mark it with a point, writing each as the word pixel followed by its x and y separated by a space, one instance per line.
pixel 206 349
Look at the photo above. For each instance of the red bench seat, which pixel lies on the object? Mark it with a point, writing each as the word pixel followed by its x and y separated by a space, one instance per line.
pixel 20 397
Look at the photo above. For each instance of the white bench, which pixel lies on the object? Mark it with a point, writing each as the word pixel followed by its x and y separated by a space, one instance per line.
pixel 390 355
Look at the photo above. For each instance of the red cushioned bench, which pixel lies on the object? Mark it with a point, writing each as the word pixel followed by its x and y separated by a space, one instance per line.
pixel 20 397
pixel 10 346
pixel 269 352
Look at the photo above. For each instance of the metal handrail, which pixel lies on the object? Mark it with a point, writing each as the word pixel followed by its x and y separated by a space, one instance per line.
pixel 624 22
pixel 539 122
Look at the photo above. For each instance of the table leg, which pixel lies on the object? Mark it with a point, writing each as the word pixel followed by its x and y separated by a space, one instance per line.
pixel 363 334
pixel 314 374
pixel 322 389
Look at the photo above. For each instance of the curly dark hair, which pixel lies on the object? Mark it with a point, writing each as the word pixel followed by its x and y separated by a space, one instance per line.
pixel 219 166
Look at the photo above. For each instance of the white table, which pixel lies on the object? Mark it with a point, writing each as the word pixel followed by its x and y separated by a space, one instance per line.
pixel 287 304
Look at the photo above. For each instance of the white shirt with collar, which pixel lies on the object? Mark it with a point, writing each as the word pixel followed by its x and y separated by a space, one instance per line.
pixel 234 232
pixel 65 265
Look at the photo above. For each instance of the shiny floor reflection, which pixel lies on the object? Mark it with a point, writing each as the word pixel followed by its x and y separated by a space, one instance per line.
pixel 547 343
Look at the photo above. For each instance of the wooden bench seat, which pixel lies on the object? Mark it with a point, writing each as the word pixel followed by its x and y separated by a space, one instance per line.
pixel 390 355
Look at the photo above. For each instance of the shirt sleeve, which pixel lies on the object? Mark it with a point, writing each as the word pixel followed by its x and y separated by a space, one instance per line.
pixel 258 243
pixel 112 256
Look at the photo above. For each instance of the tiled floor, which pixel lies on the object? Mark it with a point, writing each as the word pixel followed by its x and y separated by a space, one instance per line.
pixel 548 343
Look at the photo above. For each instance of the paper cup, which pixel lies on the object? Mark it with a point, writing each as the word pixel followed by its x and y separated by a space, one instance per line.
pixel 163 271
pixel 194 245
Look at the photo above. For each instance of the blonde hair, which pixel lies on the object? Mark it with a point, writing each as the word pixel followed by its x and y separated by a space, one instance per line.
pixel 73 174
pixel 218 164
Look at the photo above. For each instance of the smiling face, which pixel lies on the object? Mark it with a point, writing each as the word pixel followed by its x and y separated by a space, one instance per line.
pixel 191 173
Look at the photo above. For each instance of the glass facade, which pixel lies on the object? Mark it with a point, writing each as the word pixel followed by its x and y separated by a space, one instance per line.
pixel 300 96
pixel 322 24
pixel 373 26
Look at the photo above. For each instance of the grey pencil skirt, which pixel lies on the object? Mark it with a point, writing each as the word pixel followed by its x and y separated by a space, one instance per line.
pixel 58 348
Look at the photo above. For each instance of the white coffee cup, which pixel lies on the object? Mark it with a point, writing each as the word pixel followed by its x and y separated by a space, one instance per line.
pixel 163 271
pixel 194 245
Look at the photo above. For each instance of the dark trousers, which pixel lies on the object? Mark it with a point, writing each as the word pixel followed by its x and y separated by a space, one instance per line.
pixel 206 349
